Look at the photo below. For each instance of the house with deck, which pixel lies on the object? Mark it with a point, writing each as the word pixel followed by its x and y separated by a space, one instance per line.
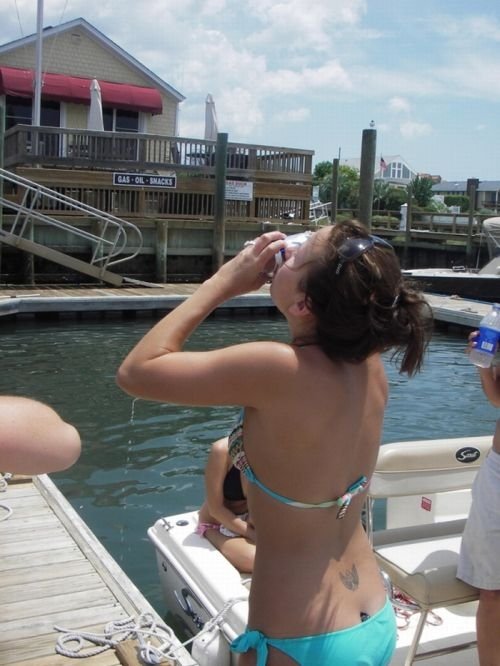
pixel 134 99
pixel 66 184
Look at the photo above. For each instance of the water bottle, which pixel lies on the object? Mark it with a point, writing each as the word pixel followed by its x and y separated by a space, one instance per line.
pixel 486 342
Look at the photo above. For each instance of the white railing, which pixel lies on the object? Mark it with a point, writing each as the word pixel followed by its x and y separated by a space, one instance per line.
pixel 115 240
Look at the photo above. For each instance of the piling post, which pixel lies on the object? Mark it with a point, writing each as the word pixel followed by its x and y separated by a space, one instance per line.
pixel 161 250
pixel 219 204
pixel 472 185
pixel 335 188
pixel 406 250
pixel 2 148
pixel 366 175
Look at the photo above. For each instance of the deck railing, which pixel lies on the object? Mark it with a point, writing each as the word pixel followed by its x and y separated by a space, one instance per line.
pixel 57 146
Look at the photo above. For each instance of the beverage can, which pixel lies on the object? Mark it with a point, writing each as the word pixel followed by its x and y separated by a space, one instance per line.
pixel 292 241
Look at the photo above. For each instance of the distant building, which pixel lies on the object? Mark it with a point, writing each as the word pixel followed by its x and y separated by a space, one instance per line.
pixel 429 176
pixel 488 191
pixel 392 169
pixel 134 99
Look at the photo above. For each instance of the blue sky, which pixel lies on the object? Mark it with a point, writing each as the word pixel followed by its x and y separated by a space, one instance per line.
pixel 313 73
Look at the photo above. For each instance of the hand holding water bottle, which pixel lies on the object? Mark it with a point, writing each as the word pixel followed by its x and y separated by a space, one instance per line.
pixel 485 341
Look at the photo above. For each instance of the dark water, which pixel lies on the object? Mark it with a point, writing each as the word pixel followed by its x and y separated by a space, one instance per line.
pixel 142 460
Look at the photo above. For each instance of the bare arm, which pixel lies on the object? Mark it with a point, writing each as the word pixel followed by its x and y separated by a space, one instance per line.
pixel 216 469
pixel 158 369
pixel 490 380
pixel 34 439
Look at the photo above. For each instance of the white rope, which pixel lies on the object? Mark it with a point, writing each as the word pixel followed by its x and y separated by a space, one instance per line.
pixel 88 644
pixel 4 478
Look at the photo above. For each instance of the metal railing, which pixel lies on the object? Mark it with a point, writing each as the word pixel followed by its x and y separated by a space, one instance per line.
pixel 116 240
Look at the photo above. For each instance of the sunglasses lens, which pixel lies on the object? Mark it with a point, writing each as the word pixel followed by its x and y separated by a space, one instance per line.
pixel 353 248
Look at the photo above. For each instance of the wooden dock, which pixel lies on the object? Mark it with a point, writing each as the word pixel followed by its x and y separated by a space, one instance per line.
pixel 108 301
pixel 54 571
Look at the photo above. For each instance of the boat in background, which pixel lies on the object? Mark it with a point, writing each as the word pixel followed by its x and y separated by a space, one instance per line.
pixel 207 594
pixel 482 285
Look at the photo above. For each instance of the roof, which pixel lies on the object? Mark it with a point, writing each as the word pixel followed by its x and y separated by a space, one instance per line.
pixel 355 162
pixel 461 186
pixel 106 42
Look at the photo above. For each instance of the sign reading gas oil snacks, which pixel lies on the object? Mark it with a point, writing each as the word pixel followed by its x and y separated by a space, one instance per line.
pixel 144 179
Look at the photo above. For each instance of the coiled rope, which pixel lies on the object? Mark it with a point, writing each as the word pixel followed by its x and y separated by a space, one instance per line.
pixel 82 644
pixel 4 478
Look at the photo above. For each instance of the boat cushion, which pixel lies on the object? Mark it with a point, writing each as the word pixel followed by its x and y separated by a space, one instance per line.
pixel 425 568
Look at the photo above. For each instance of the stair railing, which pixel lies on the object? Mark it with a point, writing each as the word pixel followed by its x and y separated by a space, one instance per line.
pixel 109 245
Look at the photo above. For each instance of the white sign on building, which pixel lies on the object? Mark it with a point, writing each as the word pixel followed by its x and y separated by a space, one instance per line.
pixel 239 190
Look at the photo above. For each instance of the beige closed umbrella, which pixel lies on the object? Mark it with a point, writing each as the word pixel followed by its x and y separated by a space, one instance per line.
pixel 95 120
pixel 210 119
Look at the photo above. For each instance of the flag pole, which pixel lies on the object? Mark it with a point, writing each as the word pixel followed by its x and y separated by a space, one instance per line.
pixel 37 104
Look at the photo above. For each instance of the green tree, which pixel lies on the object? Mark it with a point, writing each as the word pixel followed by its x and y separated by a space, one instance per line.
pixel 381 190
pixel 461 200
pixel 348 187
pixel 396 197
pixel 321 171
pixel 422 190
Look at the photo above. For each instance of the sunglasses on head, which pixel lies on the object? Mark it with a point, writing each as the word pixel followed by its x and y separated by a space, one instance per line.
pixel 353 248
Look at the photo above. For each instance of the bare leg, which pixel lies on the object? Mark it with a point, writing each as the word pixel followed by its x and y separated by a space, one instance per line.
pixel 238 550
pixel 488 623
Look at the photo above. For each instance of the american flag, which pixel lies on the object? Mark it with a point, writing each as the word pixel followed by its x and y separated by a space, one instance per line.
pixel 383 165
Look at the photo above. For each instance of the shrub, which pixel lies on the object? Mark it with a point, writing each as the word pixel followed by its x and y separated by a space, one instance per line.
pixel 457 200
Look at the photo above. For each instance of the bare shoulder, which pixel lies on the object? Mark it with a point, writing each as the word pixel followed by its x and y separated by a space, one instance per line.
pixel 34 439
pixel 244 374
pixel 26 409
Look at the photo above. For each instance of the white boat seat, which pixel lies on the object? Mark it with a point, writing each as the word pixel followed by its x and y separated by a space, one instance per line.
pixel 426 570
pixel 421 558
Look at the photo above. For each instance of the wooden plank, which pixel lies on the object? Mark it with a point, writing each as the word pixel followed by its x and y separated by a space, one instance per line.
pixel 37 545
pixel 47 572
pixel 61 258
pixel 25 504
pixel 64 601
pixel 39 638
pixel 128 653
pixel 19 489
pixel 45 644
pixel 62 577
pixel 60 556
pixel 15 592
pixel 107 658
pixel 123 588
pixel 16 522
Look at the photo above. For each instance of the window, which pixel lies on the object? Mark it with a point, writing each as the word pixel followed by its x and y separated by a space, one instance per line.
pixel 120 120
pixel 396 170
pixel 19 112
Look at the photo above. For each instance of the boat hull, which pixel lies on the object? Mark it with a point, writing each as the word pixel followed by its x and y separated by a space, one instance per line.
pixel 197 583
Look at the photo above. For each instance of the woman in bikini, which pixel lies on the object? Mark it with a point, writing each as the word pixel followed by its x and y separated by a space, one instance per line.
pixel 309 434
pixel 223 517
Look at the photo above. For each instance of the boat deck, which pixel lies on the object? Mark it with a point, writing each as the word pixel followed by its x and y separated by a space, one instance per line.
pixel 53 571
pixel 108 301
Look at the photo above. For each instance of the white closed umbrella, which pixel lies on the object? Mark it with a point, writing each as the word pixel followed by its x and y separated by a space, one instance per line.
pixel 95 119
pixel 210 119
